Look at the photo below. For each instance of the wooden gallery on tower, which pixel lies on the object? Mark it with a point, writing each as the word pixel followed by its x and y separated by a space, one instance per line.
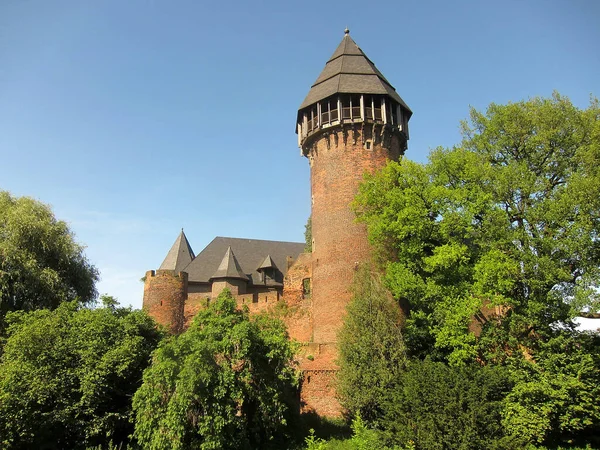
pixel 352 121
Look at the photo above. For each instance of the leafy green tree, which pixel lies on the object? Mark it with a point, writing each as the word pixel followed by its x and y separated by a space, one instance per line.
pixel 67 376
pixel 371 348
pixel 41 265
pixel 555 399
pixel 438 406
pixel 507 221
pixel 222 384
pixel 494 244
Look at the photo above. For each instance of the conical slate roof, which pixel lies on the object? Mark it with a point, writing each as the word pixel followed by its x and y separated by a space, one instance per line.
pixel 267 263
pixel 229 267
pixel 350 71
pixel 180 255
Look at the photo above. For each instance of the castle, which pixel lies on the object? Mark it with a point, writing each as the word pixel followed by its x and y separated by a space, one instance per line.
pixel 352 121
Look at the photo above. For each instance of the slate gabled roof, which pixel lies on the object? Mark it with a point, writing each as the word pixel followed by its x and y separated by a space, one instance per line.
pixel 249 253
pixel 350 71
pixel 180 255
pixel 229 267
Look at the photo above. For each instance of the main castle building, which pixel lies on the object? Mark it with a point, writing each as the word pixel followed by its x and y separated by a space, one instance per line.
pixel 352 121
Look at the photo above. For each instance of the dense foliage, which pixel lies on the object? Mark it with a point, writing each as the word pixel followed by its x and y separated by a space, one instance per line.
pixel 67 376
pixel 41 265
pixel 494 246
pixel 222 384
pixel 555 398
pixel 511 218
pixel 372 353
pixel 441 407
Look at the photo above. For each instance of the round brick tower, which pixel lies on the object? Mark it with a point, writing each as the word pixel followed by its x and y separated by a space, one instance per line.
pixel 351 122
pixel 165 292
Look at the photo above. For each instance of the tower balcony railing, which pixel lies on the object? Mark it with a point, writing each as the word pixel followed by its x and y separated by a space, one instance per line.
pixel 348 115
pixel 330 116
pixel 339 112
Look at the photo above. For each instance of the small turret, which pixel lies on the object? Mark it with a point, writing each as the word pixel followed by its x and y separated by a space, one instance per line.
pixel 179 256
pixel 166 290
pixel 165 293
pixel 229 275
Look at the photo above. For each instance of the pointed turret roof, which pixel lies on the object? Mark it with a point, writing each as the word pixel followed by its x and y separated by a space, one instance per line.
pixel 229 267
pixel 350 71
pixel 267 263
pixel 180 255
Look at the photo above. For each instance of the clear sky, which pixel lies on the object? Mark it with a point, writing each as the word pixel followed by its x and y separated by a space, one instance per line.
pixel 136 118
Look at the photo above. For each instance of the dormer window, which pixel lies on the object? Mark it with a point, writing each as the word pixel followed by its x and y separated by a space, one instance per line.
pixel 267 270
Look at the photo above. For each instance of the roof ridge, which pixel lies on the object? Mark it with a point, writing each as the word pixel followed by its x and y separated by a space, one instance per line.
pixel 253 239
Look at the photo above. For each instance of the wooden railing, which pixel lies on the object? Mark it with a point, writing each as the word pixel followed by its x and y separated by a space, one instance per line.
pixel 347 113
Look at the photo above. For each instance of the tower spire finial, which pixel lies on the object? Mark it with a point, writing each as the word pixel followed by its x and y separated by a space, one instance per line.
pixel 346 31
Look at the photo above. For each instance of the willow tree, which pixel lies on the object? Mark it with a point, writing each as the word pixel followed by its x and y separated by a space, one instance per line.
pixel 224 383
pixel 41 263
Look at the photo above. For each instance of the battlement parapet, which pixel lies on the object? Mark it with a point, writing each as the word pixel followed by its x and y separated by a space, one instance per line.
pixel 165 273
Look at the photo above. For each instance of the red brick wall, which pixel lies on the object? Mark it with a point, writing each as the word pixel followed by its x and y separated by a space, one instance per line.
pixel 165 294
pixel 236 286
pixel 299 306
pixel 194 303
pixel 339 243
pixel 258 300
pixel 317 393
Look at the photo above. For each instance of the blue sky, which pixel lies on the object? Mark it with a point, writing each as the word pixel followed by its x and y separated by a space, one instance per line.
pixel 136 118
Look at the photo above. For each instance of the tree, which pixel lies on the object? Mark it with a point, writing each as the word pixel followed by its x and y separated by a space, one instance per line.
pixel 308 235
pixel 67 376
pixel 555 399
pixel 441 407
pixel 494 245
pixel 509 220
pixel 41 265
pixel 372 351
pixel 222 384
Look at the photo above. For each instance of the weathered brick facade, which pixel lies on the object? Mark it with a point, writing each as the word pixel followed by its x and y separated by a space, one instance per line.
pixel 338 162
pixel 297 294
pixel 165 293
